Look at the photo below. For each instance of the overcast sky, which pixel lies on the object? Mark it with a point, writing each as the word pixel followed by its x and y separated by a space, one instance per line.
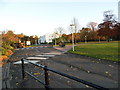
pixel 39 17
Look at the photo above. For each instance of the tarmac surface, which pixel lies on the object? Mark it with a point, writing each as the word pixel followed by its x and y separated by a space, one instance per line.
pixel 100 72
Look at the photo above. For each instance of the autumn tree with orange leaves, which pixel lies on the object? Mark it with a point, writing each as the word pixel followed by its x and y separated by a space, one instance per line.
pixel 110 27
pixel 8 40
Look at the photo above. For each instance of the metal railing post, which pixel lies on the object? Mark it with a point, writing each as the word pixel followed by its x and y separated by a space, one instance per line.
pixel 46 77
pixel 23 73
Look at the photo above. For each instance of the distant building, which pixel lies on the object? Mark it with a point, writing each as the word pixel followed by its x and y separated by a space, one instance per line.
pixel 28 43
pixel 42 39
pixel 46 38
pixel 119 11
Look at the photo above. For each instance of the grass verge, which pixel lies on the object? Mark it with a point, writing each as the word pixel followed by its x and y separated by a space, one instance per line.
pixel 108 51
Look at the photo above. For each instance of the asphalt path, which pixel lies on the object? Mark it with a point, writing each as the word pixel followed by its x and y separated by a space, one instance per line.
pixel 100 72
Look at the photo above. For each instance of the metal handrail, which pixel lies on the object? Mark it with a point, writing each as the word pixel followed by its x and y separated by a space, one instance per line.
pixel 46 69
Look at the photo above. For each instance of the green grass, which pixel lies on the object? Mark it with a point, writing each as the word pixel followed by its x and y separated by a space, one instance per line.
pixel 108 51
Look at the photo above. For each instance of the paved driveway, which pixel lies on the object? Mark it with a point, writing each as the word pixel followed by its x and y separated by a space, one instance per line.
pixel 99 72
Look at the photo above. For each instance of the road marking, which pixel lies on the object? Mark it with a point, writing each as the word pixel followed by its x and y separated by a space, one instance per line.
pixel 32 61
pixel 51 53
pixel 36 58
pixel 45 55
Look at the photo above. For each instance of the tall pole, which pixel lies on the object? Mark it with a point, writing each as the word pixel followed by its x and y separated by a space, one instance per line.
pixel 75 30
pixel 55 41
pixel 72 36
pixel 55 35
pixel 73 40
pixel 99 39
pixel 85 39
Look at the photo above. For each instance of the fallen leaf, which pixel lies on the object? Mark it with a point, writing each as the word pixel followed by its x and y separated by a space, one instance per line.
pixel 110 75
pixel 17 83
pixel 86 85
pixel 71 67
pixel 97 62
pixel 16 77
pixel 36 73
pixel 88 71
pixel 68 81
pixel 67 69
pixel 106 72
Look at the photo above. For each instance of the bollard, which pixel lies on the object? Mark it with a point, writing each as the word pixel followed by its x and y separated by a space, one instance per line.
pixel 46 78
pixel 23 73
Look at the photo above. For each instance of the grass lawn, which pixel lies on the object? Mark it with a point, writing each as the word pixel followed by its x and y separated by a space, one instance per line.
pixel 108 51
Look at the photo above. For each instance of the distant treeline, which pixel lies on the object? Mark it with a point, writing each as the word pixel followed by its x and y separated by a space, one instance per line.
pixel 108 30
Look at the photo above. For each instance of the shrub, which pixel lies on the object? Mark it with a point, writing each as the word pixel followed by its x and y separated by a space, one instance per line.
pixel 4 51
pixel 9 52
pixel 4 57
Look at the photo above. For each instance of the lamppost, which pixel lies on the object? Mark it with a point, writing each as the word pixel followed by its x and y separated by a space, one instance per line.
pixel 99 39
pixel 35 42
pixel 72 36
pixel 55 35
pixel 85 39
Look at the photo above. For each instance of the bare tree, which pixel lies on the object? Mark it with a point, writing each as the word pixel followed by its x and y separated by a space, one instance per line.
pixel 60 31
pixel 92 25
pixel 109 16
